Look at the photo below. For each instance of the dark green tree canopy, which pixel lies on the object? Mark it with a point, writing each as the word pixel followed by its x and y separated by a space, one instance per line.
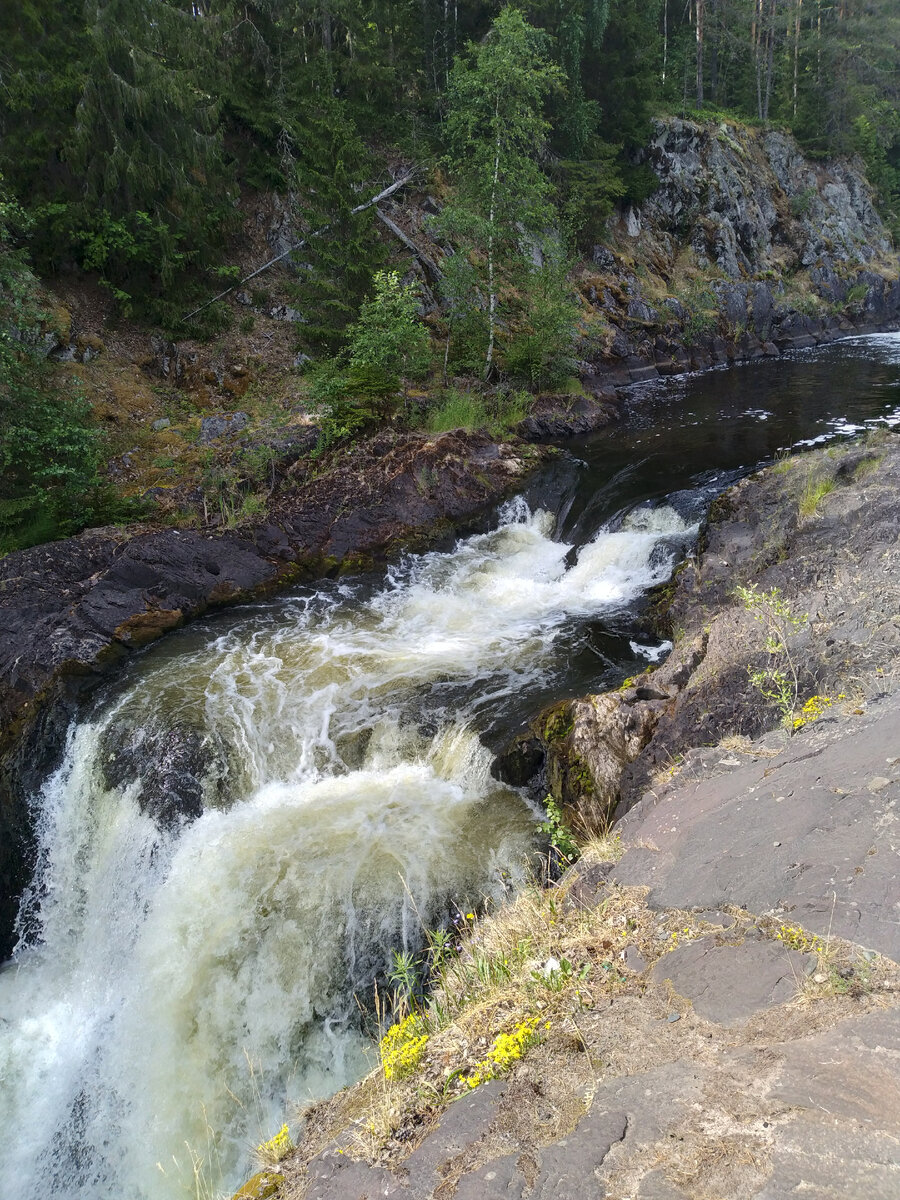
pixel 130 128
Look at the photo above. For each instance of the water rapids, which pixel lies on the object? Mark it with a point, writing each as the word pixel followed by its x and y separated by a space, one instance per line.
pixel 180 983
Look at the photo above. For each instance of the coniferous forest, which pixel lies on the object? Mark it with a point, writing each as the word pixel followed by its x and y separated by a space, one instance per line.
pixel 130 130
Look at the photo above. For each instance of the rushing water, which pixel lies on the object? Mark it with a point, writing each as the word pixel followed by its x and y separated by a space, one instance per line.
pixel 180 982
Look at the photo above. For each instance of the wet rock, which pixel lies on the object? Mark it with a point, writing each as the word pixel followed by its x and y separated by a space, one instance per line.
pixel 762 307
pixel 177 768
pixel 520 762
pixel 560 416
pixel 587 744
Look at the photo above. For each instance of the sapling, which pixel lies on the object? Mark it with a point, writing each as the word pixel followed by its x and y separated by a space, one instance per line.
pixel 778 681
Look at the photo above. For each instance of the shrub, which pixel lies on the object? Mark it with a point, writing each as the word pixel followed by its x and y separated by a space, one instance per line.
pixel 50 451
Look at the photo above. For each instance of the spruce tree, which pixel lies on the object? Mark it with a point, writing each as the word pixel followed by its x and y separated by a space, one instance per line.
pixel 145 142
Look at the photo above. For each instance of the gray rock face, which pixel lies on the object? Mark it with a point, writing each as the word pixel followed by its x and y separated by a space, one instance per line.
pixel 726 983
pixel 220 426
pixel 719 183
pixel 737 203
pixel 810 835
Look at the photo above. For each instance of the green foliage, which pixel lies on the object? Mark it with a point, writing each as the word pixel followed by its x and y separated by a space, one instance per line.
pixel 388 334
pixel 496 130
pixel 131 126
pixel 702 309
pixel 588 191
pixel 388 343
pixel 539 344
pixel 877 136
pixel 49 450
pixel 557 830
pixel 328 164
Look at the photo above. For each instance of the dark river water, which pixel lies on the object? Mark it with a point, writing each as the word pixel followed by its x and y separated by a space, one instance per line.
pixel 183 984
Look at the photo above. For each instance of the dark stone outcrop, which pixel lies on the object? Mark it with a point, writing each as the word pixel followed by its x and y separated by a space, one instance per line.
pixel 807 836
pixel 779 251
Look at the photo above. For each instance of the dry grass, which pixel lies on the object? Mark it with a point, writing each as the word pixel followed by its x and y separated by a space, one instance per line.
pixel 597 1020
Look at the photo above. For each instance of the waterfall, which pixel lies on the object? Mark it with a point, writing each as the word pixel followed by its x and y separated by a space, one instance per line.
pixel 239 836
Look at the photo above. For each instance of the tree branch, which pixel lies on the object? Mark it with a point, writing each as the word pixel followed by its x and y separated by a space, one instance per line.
pixel 383 195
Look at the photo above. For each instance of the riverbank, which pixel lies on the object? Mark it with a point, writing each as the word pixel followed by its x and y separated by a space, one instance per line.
pixel 709 998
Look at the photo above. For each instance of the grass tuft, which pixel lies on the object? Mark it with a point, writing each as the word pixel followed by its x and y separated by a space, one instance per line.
pixel 814 492
pixel 498 413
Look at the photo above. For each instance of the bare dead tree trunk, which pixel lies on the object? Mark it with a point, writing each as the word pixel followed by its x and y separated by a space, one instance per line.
pixel 757 38
pixel 770 56
pixel 492 295
pixel 326 30
pixel 818 43
pixel 665 39
pixel 714 52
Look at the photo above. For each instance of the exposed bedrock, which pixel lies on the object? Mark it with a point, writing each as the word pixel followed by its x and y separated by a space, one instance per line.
pixel 746 250
pixel 838 569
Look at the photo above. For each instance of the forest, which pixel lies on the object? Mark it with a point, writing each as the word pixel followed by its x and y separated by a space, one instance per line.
pixel 130 130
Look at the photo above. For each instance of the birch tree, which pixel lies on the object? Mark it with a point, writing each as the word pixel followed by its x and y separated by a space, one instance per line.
pixel 496 130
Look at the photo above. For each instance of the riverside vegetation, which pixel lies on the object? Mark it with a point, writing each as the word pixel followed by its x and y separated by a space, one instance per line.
pixel 138 149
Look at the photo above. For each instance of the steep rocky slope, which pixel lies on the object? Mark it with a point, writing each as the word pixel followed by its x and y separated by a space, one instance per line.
pixel 746 248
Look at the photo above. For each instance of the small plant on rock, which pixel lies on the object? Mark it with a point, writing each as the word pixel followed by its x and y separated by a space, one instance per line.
pixel 507 1049
pixel 557 830
pixel 402 1047
pixel 777 682
pixel 276 1148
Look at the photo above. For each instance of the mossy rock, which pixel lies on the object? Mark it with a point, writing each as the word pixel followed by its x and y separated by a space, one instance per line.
pixel 556 723
pixel 263 1185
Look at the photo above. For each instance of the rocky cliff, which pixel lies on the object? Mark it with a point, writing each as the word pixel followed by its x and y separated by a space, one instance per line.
pixel 745 249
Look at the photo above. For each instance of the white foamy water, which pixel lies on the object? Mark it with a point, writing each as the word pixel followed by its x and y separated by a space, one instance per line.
pixel 191 981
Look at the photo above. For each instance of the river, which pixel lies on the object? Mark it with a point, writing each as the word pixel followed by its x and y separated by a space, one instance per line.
pixel 181 984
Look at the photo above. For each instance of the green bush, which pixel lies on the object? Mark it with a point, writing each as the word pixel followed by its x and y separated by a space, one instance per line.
pixel 50 451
